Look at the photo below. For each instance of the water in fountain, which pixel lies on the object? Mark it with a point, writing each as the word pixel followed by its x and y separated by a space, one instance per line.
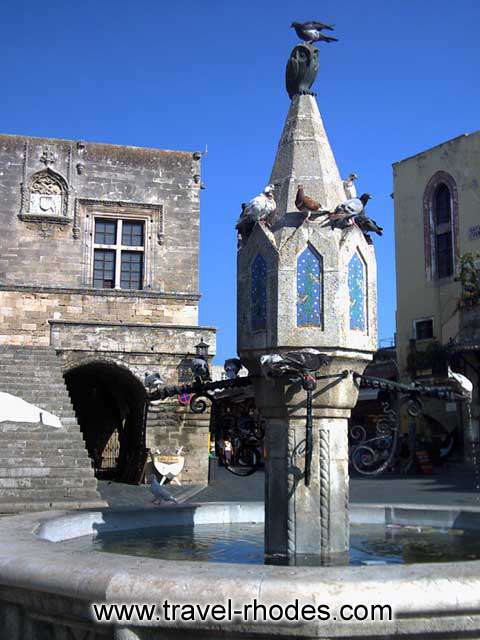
pixel 243 543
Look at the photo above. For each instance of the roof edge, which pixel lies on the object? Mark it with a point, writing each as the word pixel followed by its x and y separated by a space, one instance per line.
pixel 100 144
pixel 436 146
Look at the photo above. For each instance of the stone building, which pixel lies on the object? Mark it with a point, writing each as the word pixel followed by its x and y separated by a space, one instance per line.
pixel 437 231
pixel 99 262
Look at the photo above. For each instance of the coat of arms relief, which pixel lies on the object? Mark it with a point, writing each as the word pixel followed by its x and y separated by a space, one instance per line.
pixel 45 196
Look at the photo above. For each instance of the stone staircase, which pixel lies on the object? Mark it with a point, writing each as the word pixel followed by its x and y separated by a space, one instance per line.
pixel 42 467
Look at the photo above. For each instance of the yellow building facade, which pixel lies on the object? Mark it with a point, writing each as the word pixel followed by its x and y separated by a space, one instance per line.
pixel 437 231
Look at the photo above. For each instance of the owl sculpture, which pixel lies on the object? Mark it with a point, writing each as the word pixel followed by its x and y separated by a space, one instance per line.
pixel 302 69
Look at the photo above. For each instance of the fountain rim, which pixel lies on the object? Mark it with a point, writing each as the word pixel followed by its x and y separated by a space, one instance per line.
pixel 59 527
pixel 417 593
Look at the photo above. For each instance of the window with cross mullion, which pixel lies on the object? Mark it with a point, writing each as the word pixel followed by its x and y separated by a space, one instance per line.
pixel 118 254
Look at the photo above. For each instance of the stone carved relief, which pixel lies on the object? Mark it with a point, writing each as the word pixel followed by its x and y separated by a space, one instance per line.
pixel 76 221
pixel 258 294
pixel 45 195
pixel 48 156
pixel 309 289
pixel 45 184
pixel 357 293
pixel 46 230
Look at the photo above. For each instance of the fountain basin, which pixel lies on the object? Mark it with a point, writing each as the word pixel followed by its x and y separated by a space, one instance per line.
pixel 47 588
pixel 233 533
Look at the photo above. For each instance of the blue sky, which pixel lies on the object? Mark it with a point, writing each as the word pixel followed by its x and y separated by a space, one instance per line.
pixel 183 75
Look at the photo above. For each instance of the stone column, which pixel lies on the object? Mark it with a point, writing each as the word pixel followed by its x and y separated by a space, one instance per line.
pixel 300 520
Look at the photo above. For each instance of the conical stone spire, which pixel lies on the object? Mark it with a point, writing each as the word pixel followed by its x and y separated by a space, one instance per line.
pixel 304 285
pixel 304 156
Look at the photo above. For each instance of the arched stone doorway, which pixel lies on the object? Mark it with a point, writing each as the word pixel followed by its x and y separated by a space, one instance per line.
pixel 110 405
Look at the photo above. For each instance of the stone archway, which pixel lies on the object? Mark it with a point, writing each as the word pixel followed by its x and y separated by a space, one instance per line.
pixel 109 401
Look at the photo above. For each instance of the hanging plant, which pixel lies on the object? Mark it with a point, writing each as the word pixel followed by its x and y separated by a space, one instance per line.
pixel 433 358
pixel 469 280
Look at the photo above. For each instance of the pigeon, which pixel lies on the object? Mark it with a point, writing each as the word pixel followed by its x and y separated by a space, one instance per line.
pixel 293 362
pixel 353 206
pixel 153 380
pixel 305 203
pixel 232 367
pixel 341 220
pixel 273 365
pixel 200 369
pixel 259 209
pixel 346 213
pixel 311 31
pixel 160 493
pixel 465 384
pixel 367 225
pixel 307 359
pixel 349 186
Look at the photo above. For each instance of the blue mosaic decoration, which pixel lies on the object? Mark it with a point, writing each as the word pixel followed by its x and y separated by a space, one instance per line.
pixel 258 294
pixel 309 289
pixel 357 293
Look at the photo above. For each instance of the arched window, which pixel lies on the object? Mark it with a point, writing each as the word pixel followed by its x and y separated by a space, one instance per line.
pixel 309 289
pixel 357 290
pixel 442 214
pixel 440 205
pixel 258 294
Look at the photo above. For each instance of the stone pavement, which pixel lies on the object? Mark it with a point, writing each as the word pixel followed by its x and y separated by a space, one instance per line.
pixel 454 486
pixel 451 486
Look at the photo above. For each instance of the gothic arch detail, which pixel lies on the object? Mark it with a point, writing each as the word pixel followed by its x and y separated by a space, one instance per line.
pixel 309 289
pixel 440 225
pixel 357 291
pixel 258 294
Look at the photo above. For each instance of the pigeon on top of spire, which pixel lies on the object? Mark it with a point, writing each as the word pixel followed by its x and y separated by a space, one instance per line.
pixel 312 31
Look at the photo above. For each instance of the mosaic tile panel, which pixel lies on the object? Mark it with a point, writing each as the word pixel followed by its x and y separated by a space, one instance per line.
pixel 309 289
pixel 258 294
pixel 357 293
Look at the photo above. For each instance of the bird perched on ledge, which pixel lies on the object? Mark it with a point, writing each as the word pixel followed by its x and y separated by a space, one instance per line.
pixel 305 204
pixel 349 186
pixel 200 370
pixel 367 225
pixel 346 212
pixel 161 494
pixel 312 31
pixel 352 212
pixel 293 362
pixel 153 381
pixel 259 209
pixel 352 207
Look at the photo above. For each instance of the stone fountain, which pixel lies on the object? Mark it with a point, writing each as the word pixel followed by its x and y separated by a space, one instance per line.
pixel 302 284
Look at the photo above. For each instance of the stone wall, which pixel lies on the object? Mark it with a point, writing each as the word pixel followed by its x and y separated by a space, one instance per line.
pixel 25 312
pixel 46 256
pixel 54 247
pixel 150 339
pixel 52 193
pixel 169 424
